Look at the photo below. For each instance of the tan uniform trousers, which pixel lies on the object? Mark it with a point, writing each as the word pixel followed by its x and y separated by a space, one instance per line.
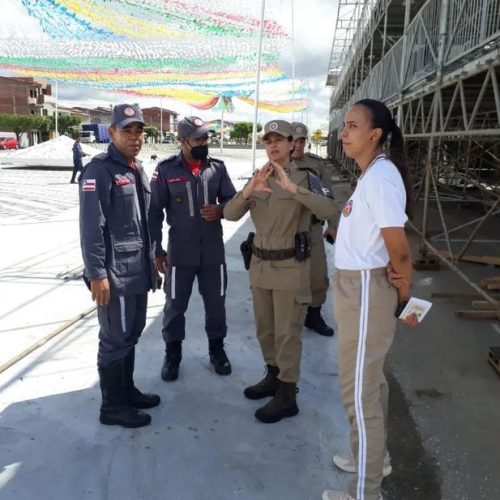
pixel 364 304
pixel 279 318
pixel 319 270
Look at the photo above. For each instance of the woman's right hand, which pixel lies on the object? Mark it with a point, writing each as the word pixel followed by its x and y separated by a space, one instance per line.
pixel 258 182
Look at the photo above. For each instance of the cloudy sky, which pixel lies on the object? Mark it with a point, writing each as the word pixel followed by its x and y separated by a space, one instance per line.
pixel 314 23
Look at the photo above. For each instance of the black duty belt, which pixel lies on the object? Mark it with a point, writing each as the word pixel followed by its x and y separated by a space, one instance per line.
pixel 263 254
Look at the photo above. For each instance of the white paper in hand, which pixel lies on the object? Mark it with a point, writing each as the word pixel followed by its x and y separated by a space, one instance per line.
pixel 419 307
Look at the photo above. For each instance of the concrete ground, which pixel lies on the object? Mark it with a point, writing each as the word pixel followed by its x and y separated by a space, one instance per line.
pixel 204 442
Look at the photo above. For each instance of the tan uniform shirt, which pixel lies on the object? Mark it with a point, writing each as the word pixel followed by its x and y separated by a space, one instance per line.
pixel 278 217
pixel 319 166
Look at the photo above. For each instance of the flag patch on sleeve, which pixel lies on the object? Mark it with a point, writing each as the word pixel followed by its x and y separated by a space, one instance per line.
pixel 88 185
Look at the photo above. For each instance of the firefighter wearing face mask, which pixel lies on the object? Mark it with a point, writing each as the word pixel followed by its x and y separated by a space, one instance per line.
pixel 191 188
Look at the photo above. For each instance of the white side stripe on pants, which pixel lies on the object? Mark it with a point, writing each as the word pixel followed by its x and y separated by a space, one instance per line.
pixel 358 384
pixel 122 314
pixel 172 284
pixel 222 280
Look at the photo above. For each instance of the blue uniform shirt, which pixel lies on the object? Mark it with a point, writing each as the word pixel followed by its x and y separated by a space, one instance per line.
pixel 192 241
pixel 114 230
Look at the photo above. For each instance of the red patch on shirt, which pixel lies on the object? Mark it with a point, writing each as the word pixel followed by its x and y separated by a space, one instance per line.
pixel 347 209
pixel 123 181
pixel 176 179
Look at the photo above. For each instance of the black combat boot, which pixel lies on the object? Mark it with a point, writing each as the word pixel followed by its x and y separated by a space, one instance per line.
pixel 218 356
pixel 173 357
pixel 315 322
pixel 135 397
pixel 284 404
pixel 266 387
pixel 114 408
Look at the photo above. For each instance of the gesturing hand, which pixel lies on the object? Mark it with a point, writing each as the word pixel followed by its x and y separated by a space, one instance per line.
pixel 282 178
pixel 258 182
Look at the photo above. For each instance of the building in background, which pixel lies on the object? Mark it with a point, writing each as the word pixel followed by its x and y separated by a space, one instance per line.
pixel 26 96
pixel 161 118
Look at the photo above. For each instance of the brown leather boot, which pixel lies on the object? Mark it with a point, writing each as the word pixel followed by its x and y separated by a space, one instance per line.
pixel 266 387
pixel 284 404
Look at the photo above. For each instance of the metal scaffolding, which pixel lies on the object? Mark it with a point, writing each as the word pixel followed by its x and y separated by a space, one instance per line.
pixel 436 64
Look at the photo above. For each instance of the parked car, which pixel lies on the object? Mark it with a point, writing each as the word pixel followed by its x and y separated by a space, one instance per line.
pixel 87 136
pixel 8 140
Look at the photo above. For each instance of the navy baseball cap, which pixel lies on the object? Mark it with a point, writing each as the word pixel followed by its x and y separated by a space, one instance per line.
pixel 191 127
pixel 125 114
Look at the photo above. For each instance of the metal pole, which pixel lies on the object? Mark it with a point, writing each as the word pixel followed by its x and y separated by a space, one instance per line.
pixel 161 120
pixel 56 132
pixel 257 86
pixel 222 129
pixel 293 67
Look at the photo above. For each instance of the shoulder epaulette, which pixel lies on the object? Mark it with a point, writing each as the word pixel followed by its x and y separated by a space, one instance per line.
pixel 217 160
pixel 168 160
pixel 100 156
pixel 312 155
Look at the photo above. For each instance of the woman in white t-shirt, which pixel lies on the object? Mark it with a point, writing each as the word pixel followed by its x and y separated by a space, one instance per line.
pixel 370 237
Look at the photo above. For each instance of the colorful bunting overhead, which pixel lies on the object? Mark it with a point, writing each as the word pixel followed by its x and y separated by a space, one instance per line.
pixel 187 50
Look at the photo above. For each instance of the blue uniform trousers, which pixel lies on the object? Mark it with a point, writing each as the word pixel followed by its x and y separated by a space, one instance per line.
pixel 212 283
pixel 121 323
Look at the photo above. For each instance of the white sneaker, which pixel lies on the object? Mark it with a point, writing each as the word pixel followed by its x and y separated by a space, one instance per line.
pixel 338 495
pixel 348 465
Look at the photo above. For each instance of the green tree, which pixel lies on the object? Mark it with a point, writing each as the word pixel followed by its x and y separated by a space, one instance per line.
pixel 242 131
pixel 66 123
pixel 20 123
pixel 151 133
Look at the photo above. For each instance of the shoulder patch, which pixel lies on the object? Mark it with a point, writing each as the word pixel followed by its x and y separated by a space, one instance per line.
pixel 316 187
pixel 88 185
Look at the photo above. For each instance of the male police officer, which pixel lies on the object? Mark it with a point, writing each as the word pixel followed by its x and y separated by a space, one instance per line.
pixel 192 189
pixel 319 270
pixel 119 266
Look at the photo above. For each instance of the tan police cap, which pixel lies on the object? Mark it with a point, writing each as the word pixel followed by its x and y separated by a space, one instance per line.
pixel 280 127
pixel 299 130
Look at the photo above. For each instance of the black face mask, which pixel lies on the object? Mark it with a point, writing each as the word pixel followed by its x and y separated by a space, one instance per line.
pixel 199 152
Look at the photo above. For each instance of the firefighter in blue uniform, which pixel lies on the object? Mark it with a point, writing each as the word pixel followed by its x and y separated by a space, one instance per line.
pixel 119 263
pixel 192 189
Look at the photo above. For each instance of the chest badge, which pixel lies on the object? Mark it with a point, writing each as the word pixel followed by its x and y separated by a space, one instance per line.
pixel 346 211
pixel 178 199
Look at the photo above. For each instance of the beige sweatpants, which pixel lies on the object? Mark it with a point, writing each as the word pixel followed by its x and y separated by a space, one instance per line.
pixel 364 304
pixel 279 319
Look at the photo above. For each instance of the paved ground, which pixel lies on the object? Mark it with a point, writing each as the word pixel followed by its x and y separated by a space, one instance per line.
pixel 204 441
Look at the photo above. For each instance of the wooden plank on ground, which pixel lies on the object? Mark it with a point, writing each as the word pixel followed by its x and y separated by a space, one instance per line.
pixel 483 305
pixel 477 259
pixel 473 314
pixel 461 296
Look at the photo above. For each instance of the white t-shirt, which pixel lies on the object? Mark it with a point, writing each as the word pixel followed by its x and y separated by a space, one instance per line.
pixel 378 201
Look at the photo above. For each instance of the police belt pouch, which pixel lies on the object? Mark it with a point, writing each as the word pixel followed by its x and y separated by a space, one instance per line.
pixel 301 251
pixel 246 250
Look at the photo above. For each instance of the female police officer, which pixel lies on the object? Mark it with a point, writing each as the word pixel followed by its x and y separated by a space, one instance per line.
pixel 281 199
